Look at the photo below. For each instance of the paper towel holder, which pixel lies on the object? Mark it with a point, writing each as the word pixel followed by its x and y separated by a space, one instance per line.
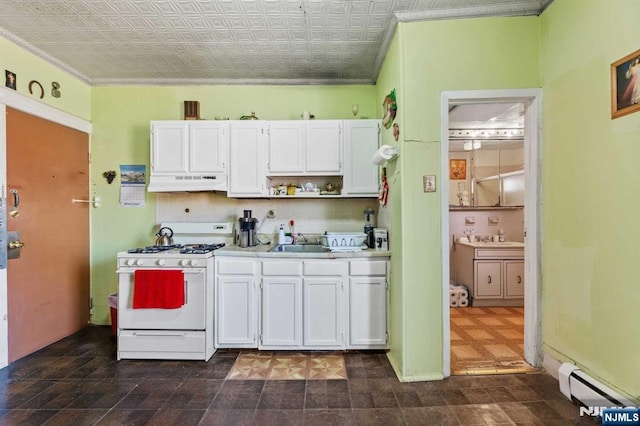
pixel 385 153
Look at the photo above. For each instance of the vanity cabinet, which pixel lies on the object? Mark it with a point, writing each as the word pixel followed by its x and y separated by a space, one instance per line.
pixel 494 274
pixel 304 148
pixel 236 301
pixel 188 155
pixel 247 174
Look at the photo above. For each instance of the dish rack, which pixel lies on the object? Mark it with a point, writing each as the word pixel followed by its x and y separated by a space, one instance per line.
pixel 344 241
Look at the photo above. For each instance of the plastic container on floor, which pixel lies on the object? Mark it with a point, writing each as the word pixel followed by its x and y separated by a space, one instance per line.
pixel 113 309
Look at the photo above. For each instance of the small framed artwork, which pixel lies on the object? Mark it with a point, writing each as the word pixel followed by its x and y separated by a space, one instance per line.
pixel 457 169
pixel 625 85
pixel 10 79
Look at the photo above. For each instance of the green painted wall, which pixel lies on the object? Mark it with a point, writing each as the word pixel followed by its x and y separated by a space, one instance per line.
pixel 591 301
pixel 75 96
pixel 390 78
pixel 121 117
pixel 488 53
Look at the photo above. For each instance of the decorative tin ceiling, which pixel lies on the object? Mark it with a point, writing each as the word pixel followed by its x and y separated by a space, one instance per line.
pixel 227 41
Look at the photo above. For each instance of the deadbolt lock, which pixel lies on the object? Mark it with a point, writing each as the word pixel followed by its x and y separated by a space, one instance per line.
pixel 16 244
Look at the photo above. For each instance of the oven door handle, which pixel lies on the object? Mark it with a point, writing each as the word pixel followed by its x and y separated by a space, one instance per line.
pixel 186 293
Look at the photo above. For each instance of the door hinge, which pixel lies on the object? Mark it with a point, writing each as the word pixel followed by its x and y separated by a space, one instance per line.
pixel 386 285
pixel 386 337
pixel 89 157
pixel 261 341
pixel 90 303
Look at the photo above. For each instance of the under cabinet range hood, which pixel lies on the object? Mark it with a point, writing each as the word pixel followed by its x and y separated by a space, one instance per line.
pixel 189 183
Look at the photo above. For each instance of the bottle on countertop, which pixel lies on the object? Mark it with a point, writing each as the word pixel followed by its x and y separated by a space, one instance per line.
pixel 281 235
pixel 501 235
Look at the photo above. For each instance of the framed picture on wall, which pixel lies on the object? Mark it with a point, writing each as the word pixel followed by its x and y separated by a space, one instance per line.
pixel 457 169
pixel 625 85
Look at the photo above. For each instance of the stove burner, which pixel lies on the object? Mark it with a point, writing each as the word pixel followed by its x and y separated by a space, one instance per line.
pixel 154 249
pixel 201 248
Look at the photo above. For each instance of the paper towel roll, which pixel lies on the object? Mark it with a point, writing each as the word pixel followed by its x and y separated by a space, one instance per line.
pixel 384 153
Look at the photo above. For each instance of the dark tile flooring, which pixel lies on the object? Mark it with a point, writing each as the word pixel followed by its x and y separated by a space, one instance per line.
pixel 77 381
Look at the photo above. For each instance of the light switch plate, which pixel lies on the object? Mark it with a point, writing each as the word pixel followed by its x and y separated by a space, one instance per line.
pixel 429 183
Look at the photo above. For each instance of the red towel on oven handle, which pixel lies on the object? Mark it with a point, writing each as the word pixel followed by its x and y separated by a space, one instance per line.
pixel 157 288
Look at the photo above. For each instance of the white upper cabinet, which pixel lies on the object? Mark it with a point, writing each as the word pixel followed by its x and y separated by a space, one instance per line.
pixel 208 142
pixel 361 141
pixel 323 147
pixel 246 158
pixel 169 142
pixel 188 156
pixel 305 148
pixel 286 148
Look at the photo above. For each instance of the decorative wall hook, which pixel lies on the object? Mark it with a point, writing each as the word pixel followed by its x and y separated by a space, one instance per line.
pixel 109 176
pixel 55 86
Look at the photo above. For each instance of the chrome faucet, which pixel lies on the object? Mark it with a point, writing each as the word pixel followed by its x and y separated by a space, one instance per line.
pixel 304 239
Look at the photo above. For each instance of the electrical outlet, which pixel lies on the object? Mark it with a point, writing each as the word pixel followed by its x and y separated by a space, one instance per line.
pixel 429 183
pixel 271 214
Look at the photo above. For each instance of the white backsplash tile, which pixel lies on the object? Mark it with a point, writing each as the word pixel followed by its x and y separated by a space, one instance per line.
pixel 311 216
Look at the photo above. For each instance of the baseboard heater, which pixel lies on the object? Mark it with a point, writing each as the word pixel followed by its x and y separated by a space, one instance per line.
pixel 577 386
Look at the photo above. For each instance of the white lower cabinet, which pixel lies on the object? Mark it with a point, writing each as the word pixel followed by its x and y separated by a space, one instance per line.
pixel 324 304
pixel 323 290
pixel 281 312
pixel 368 304
pixel 236 303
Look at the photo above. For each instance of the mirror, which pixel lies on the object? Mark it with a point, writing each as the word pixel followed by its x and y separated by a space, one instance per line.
pixel 486 155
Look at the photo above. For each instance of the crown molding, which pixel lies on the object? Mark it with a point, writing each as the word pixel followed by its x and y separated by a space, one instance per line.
pixel 225 81
pixel 43 55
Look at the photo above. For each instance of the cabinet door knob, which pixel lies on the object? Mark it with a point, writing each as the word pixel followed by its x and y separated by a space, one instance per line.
pixel 519 279
pixel 489 279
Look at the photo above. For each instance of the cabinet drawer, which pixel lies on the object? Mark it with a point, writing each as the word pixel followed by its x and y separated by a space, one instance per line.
pixel 161 341
pixel 374 267
pixel 282 268
pixel 333 267
pixel 500 253
pixel 236 267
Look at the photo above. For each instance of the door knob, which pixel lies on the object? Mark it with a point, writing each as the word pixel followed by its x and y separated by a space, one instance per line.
pixel 16 244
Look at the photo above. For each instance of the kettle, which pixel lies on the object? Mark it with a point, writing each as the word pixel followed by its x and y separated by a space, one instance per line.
pixel 164 237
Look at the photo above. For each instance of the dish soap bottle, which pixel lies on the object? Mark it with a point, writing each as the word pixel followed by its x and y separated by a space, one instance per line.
pixel 281 235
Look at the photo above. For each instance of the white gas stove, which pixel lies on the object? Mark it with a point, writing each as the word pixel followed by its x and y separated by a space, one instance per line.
pixel 151 327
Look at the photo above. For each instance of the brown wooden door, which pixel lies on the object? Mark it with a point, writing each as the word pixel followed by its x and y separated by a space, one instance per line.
pixel 48 285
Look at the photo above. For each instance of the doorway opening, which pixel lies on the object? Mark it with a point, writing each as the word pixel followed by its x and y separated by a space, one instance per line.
pixel 490 231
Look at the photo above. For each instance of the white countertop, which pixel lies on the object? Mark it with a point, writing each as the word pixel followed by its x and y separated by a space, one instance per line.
pixel 492 244
pixel 263 251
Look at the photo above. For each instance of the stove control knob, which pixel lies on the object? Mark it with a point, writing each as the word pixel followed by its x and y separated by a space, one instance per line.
pixel 139 262
pixel 184 262
pixel 131 262
pixel 162 262
pixel 194 262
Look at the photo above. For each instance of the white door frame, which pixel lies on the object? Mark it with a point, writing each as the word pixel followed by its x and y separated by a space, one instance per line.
pixel 15 100
pixel 532 99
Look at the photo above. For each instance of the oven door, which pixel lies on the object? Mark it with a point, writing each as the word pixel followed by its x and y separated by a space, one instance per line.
pixel 191 316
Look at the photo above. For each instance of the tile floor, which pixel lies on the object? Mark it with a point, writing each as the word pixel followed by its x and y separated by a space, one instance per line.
pixel 77 381
pixel 487 340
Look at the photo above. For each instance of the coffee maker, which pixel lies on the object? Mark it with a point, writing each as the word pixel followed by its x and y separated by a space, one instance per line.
pixel 247 227
pixel 369 224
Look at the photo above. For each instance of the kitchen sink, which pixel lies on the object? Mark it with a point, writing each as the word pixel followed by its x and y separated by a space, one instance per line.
pixel 299 248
